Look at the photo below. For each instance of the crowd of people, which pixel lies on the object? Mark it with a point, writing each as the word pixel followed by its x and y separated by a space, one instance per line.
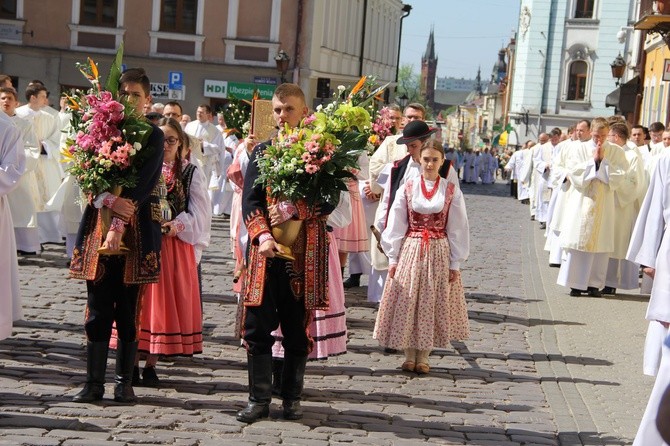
pixel 598 191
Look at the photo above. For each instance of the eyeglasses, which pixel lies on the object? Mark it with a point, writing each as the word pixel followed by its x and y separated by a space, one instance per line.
pixel 171 141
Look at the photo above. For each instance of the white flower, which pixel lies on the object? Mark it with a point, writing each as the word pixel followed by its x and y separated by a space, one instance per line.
pixel 137 146
pixel 341 88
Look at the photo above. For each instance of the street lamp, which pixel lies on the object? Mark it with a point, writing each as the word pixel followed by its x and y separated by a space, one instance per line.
pixel 402 101
pixel 618 69
pixel 282 59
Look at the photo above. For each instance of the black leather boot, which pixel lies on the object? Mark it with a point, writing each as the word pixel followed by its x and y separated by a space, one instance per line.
pixel 277 369
pixel 353 281
pixel 260 389
pixel 96 366
pixel 293 380
pixel 125 362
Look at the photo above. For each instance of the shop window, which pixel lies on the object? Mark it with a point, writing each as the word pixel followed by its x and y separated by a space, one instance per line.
pixel 179 16
pixel 577 81
pixel 584 9
pixel 98 13
pixel 8 9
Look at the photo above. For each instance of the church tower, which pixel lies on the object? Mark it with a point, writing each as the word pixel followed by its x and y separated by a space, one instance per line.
pixel 429 71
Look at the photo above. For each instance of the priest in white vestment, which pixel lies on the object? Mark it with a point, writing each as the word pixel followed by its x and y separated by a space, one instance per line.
pixel 12 165
pixel 622 273
pixel 542 156
pixel 650 248
pixel 514 166
pixel 528 173
pixel 211 141
pixel 595 170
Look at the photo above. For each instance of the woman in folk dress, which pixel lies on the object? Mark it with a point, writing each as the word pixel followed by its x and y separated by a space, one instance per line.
pixel 426 239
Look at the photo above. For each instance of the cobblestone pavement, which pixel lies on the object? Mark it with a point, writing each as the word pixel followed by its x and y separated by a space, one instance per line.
pixel 540 367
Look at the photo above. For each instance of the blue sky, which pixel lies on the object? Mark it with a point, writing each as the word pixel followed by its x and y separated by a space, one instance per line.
pixel 468 33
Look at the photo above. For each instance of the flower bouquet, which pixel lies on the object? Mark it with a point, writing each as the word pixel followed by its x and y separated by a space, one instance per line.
pixel 381 128
pixel 104 149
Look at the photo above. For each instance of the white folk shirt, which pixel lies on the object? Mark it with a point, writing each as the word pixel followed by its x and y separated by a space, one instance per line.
pixel 457 229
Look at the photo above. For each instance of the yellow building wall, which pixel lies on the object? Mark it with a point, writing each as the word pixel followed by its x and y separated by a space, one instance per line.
pixel 655 90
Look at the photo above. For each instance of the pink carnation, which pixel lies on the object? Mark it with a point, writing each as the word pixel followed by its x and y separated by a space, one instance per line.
pixel 311 168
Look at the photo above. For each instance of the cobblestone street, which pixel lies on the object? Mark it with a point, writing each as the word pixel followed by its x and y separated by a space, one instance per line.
pixel 540 368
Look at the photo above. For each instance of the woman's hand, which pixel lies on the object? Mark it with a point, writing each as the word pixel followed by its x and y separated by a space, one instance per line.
pixel 112 241
pixel 453 275
pixel 171 230
pixel 392 269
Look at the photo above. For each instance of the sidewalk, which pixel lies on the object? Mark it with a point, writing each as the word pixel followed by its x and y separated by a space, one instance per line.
pixel 540 367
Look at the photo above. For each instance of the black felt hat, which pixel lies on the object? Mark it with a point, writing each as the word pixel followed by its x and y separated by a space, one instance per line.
pixel 415 130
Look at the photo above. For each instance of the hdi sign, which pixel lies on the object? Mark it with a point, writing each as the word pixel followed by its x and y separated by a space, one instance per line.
pixel 215 89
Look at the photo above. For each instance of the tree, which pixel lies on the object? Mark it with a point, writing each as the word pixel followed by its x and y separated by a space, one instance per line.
pixel 408 83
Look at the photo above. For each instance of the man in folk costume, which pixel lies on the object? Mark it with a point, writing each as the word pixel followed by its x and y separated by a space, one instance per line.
pixel 595 169
pixel 115 282
pixel 651 248
pixel 388 152
pixel 281 293
pixel 12 165
pixel 542 163
pixel 622 273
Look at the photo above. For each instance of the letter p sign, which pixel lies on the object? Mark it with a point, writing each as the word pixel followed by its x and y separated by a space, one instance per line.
pixel 175 80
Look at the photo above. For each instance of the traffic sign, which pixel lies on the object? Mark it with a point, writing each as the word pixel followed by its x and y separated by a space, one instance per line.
pixel 175 80
pixel 177 95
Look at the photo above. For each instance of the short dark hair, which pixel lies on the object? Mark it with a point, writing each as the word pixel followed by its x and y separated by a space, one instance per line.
pixel 175 104
pixel 556 131
pixel 136 76
pixel 207 108
pixel 394 107
pixel 585 121
pixel 621 129
pixel 417 106
pixel 34 90
pixel 9 90
pixel 656 127
pixel 4 78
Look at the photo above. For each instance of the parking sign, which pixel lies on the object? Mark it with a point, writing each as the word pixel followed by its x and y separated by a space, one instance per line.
pixel 175 80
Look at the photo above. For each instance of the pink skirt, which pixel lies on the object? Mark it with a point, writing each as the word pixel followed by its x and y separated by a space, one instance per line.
pixel 354 237
pixel 171 315
pixel 420 309
pixel 328 328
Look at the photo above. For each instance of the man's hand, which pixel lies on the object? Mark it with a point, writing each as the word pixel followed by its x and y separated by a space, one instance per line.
pixel 368 192
pixel 112 241
pixel 276 217
pixel 124 208
pixel 651 272
pixel 250 143
pixel 599 153
pixel 171 230
pixel 268 248
pixel 392 269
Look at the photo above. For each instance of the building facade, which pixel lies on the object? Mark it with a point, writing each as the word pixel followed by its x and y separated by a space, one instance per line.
pixel 563 54
pixel 218 48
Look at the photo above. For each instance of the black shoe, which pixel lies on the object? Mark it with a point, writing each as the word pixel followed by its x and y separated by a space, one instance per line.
pixel 554 265
pixel 576 292
pixel 136 376
pixel 90 393
pixel 253 412
pixel 149 377
pixel 353 281
pixel 532 218
pixel 543 225
pixel 608 290
pixel 292 410
pixel 390 350
pixel 594 292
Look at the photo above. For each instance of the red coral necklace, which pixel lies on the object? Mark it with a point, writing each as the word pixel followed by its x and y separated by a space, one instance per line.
pixel 425 192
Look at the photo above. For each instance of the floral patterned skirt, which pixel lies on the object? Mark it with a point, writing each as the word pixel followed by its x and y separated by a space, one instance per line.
pixel 420 309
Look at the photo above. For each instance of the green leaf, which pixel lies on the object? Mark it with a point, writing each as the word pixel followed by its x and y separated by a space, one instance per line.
pixel 112 83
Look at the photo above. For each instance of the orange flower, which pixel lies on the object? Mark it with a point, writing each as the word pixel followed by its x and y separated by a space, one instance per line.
pixel 94 68
pixel 358 86
pixel 74 105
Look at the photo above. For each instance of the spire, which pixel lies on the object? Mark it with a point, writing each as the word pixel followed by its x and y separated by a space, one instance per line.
pixel 430 47
pixel 478 80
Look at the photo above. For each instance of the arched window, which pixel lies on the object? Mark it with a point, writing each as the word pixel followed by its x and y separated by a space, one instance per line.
pixel 577 81
pixel 584 9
